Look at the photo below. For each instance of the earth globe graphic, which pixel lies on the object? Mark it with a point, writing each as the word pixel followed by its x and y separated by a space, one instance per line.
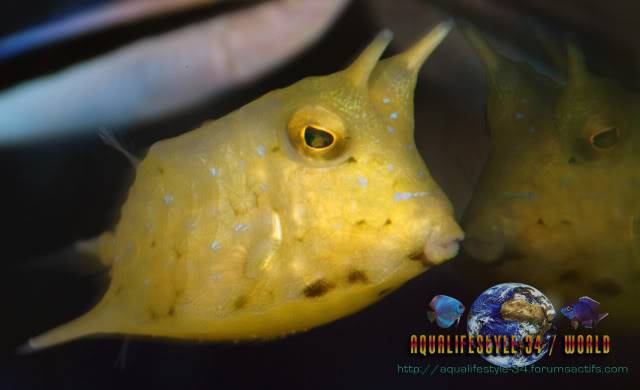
pixel 513 309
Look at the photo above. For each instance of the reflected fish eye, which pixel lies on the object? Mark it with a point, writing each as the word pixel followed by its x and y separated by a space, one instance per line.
pixel 605 139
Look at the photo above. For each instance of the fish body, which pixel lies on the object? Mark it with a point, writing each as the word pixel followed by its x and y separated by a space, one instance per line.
pixel 445 310
pixel 283 215
pixel 572 147
pixel 583 312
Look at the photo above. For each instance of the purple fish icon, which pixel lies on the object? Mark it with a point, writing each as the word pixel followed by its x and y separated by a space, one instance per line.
pixel 583 312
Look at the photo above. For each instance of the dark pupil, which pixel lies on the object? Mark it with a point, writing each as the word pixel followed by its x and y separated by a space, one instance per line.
pixel 317 138
pixel 605 139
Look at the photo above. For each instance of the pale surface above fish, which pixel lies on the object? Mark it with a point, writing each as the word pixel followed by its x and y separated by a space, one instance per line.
pixel 558 203
pixel 301 207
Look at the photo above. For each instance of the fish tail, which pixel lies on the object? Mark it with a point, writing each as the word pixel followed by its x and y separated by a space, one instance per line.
pixel 431 315
pixel 93 322
pixel 602 316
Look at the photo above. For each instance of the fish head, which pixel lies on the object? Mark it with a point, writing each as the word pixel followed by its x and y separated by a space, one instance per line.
pixel 356 200
pixel 556 204
pixel 568 311
pixel 595 117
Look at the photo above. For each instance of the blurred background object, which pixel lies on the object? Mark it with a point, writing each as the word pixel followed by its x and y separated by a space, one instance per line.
pixel 159 75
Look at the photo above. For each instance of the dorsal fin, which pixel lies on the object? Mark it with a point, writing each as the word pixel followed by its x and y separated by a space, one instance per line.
pixel 592 303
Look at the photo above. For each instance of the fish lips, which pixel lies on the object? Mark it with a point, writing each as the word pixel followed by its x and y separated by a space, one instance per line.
pixel 442 245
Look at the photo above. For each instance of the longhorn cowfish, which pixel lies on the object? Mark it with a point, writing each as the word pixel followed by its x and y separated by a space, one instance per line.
pixel 297 209
pixel 557 204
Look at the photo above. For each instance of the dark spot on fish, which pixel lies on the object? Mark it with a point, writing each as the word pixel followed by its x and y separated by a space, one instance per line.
pixel 387 222
pixel 540 222
pixel 352 160
pixel 118 290
pixel 565 222
pixel 416 255
pixel 361 222
pixel 153 243
pixel 357 276
pixel 275 149
pixel 178 253
pixel 572 160
pixel 317 288
pixel 154 316
pixel 161 170
pixel 172 311
pixel 299 239
pixel 569 276
pixel 607 287
pixel 241 302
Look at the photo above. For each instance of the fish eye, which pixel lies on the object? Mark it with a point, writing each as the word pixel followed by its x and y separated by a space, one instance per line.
pixel 605 139
pixel 317 138
pixel 569 308
pixel 318 135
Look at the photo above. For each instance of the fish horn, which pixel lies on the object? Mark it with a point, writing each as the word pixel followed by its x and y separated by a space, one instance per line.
pixel 577 69
pixel 421 50
pixel 360 70
pixel 490 58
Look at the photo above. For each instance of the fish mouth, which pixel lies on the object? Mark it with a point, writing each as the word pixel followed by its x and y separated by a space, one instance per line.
pixel 442 245
pixel 483 249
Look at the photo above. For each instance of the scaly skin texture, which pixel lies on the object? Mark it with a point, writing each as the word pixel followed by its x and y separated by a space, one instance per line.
pixel 557 205
pixel 240 230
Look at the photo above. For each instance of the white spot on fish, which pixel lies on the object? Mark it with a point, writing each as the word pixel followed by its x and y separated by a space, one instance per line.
pixel 519 115
pixel 391 129
pixel 420 173
pixel 390 167
pixel 216 276
pixel 363 181
pixel 214 171
pixel 386 100
pixel 398 196
pixel 393 116
pixel 418 194
pixel 215 245
pixel 168 199
pixel 147 282
pixel 241 227
pixel 408 146
pixel 261 150
pixel 191 223
pixel 264 187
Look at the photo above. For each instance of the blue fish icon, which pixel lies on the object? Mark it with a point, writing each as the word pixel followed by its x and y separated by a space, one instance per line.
pixel 583 312
pixel 445 311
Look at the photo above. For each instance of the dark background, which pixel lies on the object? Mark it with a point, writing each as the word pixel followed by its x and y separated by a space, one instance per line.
pixel 56 192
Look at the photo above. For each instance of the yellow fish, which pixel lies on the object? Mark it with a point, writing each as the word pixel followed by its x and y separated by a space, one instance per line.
pixel 558 202
pixel 299 208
